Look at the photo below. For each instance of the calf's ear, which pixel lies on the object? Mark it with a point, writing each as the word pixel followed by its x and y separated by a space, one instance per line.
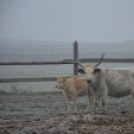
pixel 81 71
pixel 97 70
pixel 64 79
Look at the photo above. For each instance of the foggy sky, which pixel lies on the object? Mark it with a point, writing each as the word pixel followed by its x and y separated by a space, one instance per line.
pixel 67 20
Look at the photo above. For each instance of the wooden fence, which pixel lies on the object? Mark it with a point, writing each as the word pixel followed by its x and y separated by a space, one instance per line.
pixel 41 79
pixel 65 61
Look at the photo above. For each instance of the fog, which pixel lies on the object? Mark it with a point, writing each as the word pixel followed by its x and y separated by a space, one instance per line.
pixel 64 20
pixel 46 29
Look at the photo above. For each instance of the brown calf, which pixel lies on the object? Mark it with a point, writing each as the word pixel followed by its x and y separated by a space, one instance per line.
pixel 73 87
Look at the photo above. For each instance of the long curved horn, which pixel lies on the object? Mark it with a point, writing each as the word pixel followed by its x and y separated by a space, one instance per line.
pixel 100 60
pixel 78 62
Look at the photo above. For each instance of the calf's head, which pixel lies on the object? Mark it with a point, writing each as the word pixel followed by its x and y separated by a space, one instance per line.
pixel 89 70
pixel 60 82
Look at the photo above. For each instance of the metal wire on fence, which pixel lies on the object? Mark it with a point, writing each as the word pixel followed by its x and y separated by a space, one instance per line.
pixel 65 51
pixel 12 53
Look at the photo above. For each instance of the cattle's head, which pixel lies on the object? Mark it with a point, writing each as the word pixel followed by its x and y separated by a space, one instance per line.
pixel 60 82
pixel 89 70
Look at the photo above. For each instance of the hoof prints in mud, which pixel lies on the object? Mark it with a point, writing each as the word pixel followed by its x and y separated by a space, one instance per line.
pixel 80 124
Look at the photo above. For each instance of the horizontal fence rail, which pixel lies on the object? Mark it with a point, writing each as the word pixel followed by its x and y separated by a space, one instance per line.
pixel 47 79
pixel 32 79
pixel 67 61
pixel 38 63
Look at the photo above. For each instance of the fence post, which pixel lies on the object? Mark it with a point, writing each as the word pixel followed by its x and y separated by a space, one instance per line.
pixel 75 47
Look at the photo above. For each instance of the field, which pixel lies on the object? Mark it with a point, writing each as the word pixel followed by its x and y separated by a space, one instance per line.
pixel 46 113
pixel 39 108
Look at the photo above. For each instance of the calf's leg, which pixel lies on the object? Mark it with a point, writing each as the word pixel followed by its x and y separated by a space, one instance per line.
pixel 68 103
pixel 75 107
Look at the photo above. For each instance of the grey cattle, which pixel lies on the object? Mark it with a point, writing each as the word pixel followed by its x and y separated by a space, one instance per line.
pixel 108 82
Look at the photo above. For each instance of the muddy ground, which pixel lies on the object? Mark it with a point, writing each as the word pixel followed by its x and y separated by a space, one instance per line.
pixel 47 114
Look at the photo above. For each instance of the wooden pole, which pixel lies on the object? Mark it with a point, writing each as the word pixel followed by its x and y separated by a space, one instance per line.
pixel 75 47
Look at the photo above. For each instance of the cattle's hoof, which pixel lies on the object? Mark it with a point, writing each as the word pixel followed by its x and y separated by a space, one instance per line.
pixel 75 113
pixel 105 112
pixel 68 113
pixel 86 111
pixel 96 111
pixel 123 112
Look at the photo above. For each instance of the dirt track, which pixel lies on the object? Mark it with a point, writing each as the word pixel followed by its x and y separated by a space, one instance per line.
pixel 46 114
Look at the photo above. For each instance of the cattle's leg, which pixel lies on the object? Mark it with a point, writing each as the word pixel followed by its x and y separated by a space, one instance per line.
pixel 104 104
pixel 133 94
pixel 97 102
pixel 104 100
pixel 90 102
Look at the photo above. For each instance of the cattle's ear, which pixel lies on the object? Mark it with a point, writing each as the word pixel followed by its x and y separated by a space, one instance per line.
pixel 81 71
pixel 96 71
